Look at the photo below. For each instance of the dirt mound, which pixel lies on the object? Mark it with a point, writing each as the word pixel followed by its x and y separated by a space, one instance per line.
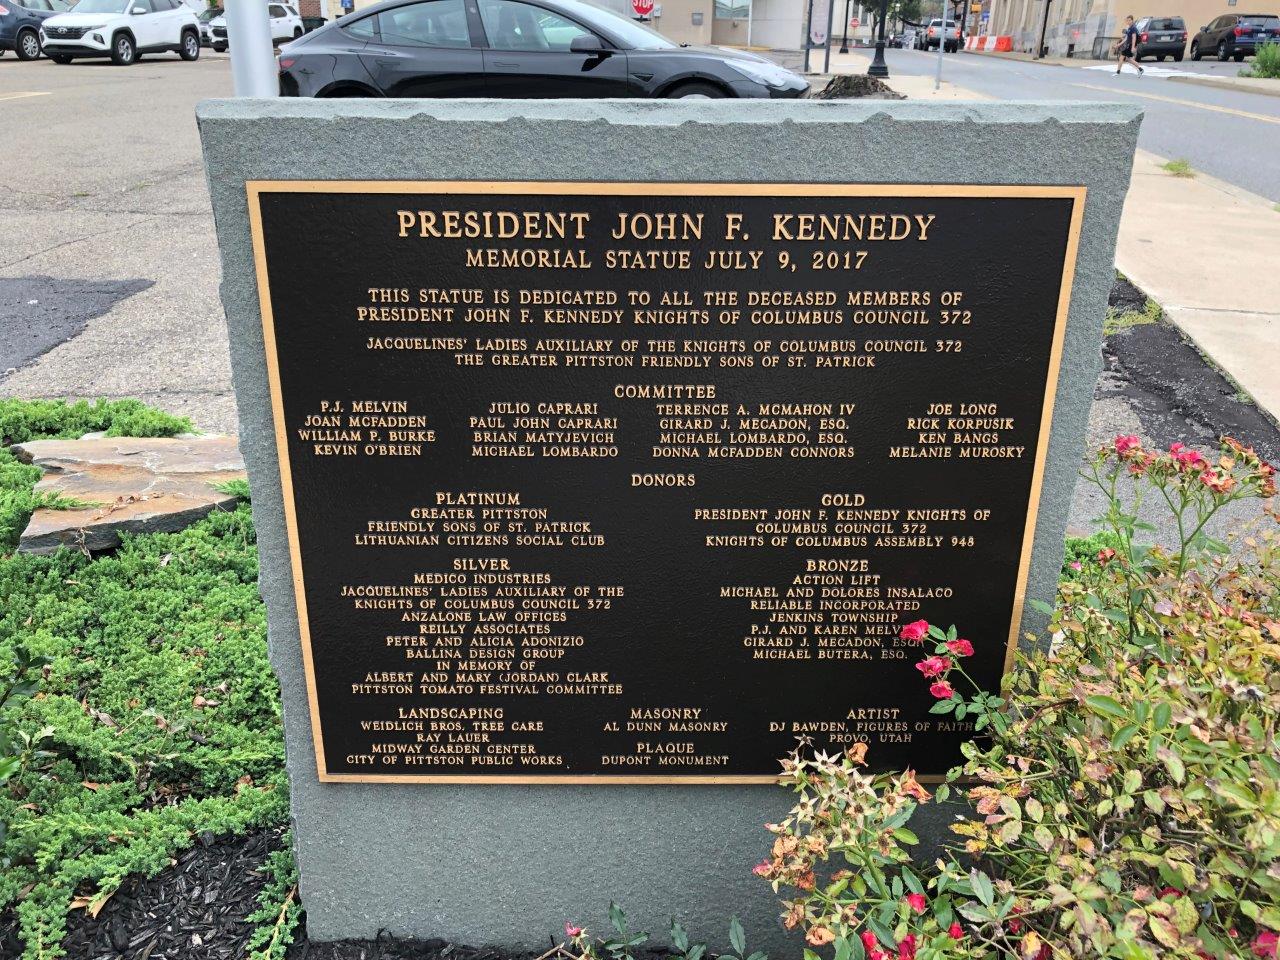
pixel 857 85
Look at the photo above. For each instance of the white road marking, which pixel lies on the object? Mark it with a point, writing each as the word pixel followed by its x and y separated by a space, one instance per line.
pixel 25 93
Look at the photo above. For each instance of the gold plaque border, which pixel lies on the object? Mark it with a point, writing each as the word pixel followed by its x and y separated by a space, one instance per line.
pixel 254 190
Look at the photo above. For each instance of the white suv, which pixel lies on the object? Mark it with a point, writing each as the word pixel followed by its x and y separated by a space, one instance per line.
pixel 286 25
pixel 121 29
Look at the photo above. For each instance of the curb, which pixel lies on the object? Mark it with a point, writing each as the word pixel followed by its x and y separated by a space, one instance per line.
pixel 1228 83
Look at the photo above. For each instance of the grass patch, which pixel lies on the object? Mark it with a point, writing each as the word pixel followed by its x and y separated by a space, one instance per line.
pixel 1117 320
pixel 158 715
pixel 1178 168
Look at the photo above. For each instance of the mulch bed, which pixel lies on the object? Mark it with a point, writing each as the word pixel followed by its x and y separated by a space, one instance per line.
pixel 194 910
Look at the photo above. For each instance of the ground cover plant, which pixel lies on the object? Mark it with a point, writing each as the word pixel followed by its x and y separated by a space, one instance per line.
pixel 145 711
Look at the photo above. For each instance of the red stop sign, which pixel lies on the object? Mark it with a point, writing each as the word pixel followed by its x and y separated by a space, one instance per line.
pixel 642 7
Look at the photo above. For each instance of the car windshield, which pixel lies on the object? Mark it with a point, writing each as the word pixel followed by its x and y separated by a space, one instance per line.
pixel 1165 23
pixel 101 6
pixel 629 34
pixel 207 15
pixel 1258 21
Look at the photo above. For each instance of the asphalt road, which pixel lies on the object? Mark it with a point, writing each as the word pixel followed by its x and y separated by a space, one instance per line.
pixel 1229 134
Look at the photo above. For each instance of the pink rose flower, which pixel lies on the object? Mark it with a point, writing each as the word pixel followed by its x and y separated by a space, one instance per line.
pixel 916 902
pixel 1127 443
pixel 869 941
pixel 955 931
pixel 942 690
pixel 907 947
pixel 961 648
pixel 571 931
pixel 934 666
pixel 915 632
pixel 1266 944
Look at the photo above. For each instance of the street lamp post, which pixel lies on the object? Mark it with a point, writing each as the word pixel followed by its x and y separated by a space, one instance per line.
pixel 878 67
pixel 844 43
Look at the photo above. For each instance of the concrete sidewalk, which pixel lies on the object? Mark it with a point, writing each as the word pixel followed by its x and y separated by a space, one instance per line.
pixel 1206 251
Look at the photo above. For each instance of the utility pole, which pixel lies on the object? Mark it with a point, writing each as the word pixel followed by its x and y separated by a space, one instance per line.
pixel 826 44
pixel 844 43
pixel 253 60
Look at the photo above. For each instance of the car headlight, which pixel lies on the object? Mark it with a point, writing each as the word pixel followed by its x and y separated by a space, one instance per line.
pixel 769 74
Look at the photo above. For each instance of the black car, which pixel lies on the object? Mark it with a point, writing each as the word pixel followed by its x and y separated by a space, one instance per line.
pixel 1236 35
pixel 1161 37
pixel 20 24
pixel 514 49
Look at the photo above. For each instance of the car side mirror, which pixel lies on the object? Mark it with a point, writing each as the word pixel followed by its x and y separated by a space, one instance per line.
pixel 1203 29
pixel 588 43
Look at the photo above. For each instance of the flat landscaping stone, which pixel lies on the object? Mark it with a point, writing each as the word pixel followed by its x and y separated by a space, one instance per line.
pixel 138 485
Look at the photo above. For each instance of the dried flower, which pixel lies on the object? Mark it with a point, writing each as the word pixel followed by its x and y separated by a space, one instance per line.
pixel 820 936
pixel 572 931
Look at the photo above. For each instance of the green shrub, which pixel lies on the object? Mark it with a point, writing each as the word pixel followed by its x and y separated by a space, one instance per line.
pixel 157 701
pixel 1266 62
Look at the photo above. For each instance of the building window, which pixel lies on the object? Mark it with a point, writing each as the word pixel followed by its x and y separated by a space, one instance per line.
pixel 732 9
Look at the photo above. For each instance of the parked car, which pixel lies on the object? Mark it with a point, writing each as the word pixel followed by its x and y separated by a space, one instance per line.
pixel 908 38
pixel 20 25
pixel 204 18
pixel 934 34
pixel 1161 37
pixel 121 29
pixel 1235 35
pixel 515 48
pixel 286 25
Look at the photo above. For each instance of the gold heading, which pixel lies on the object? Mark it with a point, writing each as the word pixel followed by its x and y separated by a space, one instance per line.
pixel 573 225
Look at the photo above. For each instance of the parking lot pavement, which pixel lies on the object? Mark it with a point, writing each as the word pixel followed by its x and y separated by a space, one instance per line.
pixel 106 183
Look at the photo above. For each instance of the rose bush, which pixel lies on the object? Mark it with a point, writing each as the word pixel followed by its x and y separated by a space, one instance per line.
pixel 1124 802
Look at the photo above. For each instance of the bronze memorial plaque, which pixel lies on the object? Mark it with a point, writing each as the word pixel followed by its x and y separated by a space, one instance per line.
pixel 638 482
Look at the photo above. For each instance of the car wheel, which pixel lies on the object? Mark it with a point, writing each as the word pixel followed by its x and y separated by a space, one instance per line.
pixel 123 51
pixel 1177 58
pixel 1238 57
pixel 190 46
pixel 1222 51
pixel 1195 51
pixel 297 32
pixel 696 91
pixel 1160 57
pixel 60 58
pixel 28 45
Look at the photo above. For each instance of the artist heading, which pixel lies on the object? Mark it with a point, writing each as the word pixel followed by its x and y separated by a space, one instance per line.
pixel 574 225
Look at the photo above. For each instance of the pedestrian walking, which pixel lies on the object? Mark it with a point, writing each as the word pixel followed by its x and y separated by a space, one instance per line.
pixel 1127 48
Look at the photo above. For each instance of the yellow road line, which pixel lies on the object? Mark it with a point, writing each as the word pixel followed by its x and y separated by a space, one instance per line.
pixel 19 96
pixel 1182 103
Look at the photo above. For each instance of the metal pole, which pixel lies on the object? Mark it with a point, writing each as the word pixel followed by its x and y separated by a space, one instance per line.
pixel 253 61
pixel 808 36
pixel 844 44
pixel 1044 28
pixel 826 56
pixel 751 10
pixel 878 67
